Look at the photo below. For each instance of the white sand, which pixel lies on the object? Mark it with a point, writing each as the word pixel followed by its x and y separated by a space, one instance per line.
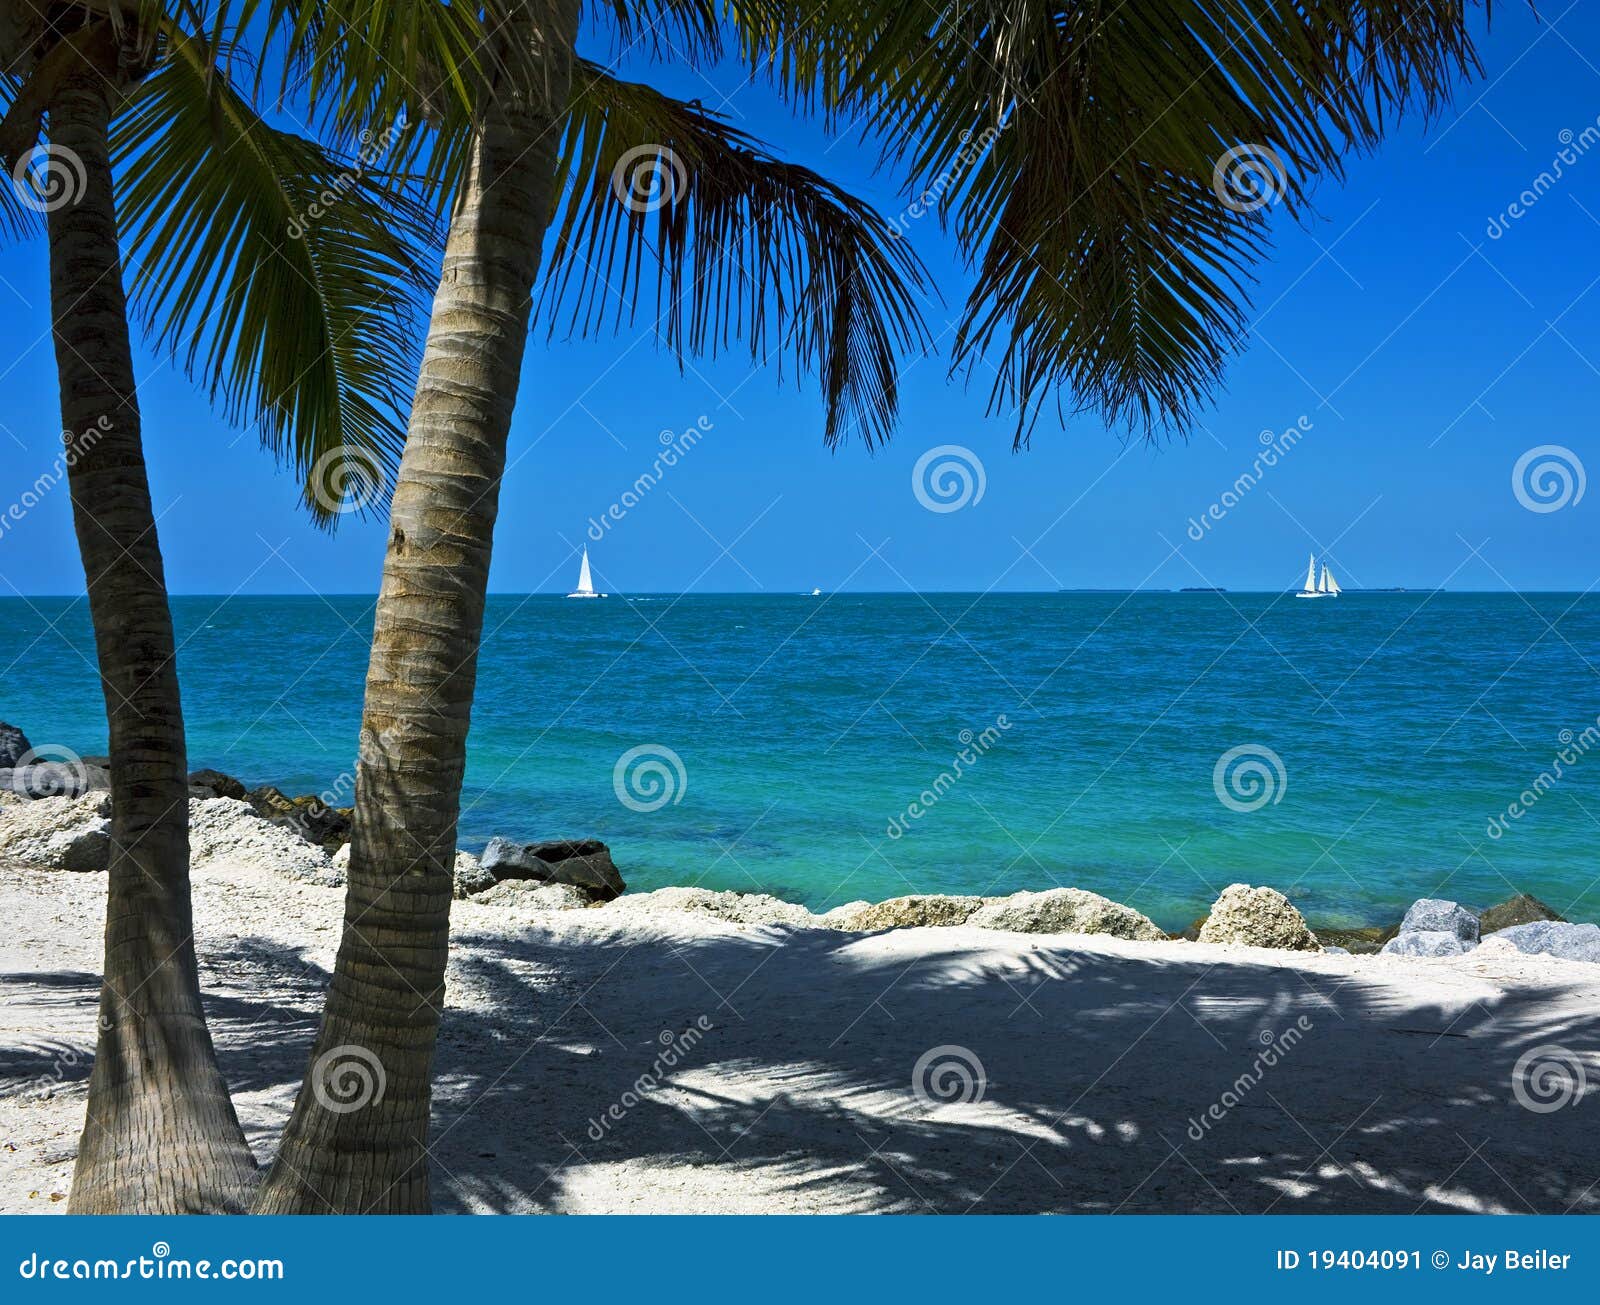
pixel 1096 1056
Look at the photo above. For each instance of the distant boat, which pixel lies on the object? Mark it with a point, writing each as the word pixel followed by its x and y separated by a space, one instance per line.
pixel 585 587
pixel 816 593
pixel 1323 586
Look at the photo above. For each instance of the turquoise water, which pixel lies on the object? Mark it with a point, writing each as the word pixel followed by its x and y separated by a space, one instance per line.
pixel 1404 724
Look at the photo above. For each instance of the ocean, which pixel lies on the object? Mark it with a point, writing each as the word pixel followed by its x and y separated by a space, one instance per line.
pixel 1354 753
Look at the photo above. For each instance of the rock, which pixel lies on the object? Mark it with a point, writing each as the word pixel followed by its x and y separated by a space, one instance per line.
pixel 219 784
pixel 1434 915
pixel 309 816
pixel 1365 941
pixel 934 910
pixel 1064 910
pixel 531 895
pixel 735 908
pixel 833 918
pixel 1335 951
pixel 14 745
pixel 1428 942
pixel 1524 908
pixel 471 877
pixel 58 833
pixel 1569 942
pixel 44 779
pixel 586 863
pixel 228 831
pixel 340 860
pixel 1258 917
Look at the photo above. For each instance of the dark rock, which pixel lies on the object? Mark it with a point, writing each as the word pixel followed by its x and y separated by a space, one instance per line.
pixel 586 863
pixel 14 745
pixel 1428 942
pixel 220 785
pixel 1434 915
pixel 1571 942
pixel 1521 909
pixel 309 816
pixel 89 850
pixel 1359 942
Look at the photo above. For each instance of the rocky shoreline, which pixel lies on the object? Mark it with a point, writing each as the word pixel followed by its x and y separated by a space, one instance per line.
pixel 56 816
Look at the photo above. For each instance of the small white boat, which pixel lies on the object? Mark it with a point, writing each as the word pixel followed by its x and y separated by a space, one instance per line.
pixel 816 593
pixel 585 587
pixel 1323 586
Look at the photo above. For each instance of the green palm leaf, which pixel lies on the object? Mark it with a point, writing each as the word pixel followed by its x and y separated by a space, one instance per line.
pixel 730 244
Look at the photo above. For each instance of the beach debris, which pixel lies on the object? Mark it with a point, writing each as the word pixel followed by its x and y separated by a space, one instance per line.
pixel 1524 908
pixel 1065 910
pixel 584 862
pixel 1435 915
pixel 918 911
pixel 1258 917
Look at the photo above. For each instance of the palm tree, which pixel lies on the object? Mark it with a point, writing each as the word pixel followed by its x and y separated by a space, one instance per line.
pixel 293 333
pixel 1111 267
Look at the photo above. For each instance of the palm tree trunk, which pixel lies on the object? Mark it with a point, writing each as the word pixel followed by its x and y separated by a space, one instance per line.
pixel 161 1134
pixel 357 1139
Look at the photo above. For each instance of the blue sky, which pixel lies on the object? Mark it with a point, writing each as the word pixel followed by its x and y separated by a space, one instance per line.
pixel 1425 357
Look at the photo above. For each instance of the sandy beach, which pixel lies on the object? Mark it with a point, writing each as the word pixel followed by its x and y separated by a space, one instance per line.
pixel 636 1059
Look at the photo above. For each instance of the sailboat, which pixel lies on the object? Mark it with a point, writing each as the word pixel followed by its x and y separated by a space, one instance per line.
pixel 1323 586
pixel 585 587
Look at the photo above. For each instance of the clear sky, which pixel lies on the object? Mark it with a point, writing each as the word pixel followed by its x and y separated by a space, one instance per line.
pixel 1426 355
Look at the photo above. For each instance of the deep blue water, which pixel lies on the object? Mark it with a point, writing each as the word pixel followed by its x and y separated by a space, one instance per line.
pixel 1404 724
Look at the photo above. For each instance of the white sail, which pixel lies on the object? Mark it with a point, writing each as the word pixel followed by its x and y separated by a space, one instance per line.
pixel 585 587
pixel 1322 584
pixel 1331 584
pixel 1311 575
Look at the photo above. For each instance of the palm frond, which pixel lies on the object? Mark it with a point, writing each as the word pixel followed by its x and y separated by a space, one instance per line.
pixel 683 29
pixel 281 278
pixel 735 244
pixel 1089 157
